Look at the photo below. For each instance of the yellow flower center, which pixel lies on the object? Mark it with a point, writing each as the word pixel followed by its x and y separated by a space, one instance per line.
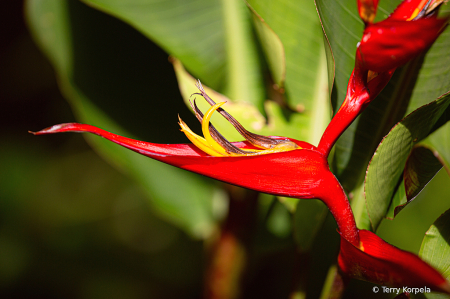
pixel 209 145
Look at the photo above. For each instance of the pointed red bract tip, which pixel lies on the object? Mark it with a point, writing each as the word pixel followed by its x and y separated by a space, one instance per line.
pixel 379 262
pixel 66 127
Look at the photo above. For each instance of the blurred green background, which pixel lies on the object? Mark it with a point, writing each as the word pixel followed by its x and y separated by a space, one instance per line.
pixel 73 226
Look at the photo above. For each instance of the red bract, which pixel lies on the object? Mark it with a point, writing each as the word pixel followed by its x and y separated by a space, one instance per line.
pixel 408 31
pixel 381 263
pixel 384 47
pixel 300 173
pixel 392 43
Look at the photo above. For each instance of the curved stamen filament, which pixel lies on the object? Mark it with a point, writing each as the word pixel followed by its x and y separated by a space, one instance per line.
pixel 214 144
pixel 198 141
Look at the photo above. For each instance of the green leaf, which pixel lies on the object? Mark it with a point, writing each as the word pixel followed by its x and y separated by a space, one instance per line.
pixel 229 41
pixel 343 29
pixel 439 143
pixel 358 204
pixel 434 153
pixel 435 249
pixel 272 47
pixel 421 166
pixel 391 155
pixel 434 77
pixel 398 202
pixel 83 44
pixel 298 27
pixel 306 84
pixel 244 81
pixel 213 39
pixel 192 30
pixel 308 219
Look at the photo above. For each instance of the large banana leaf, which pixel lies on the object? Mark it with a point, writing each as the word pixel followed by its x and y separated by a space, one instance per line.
pixel 191 30
pixel 98 82
pixel 213 39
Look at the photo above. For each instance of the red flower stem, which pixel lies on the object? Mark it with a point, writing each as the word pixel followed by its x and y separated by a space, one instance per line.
pixel 355 102
pixel 341 121
pixel 332 194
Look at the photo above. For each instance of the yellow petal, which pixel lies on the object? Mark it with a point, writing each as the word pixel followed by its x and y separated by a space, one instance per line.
pixel 205 128
pixel 198 141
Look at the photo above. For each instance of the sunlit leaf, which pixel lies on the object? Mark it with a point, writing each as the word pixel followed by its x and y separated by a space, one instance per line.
pixel 298 27
pixel 389 160
pixel 435 249
pixel 244 82
pixel 306 85
pixel 272 47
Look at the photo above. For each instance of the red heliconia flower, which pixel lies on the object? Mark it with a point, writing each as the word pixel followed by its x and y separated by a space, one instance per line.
pixel 385 46
pixel 279 166
pixel 273 165
pixel 292 168
pixel 381 263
